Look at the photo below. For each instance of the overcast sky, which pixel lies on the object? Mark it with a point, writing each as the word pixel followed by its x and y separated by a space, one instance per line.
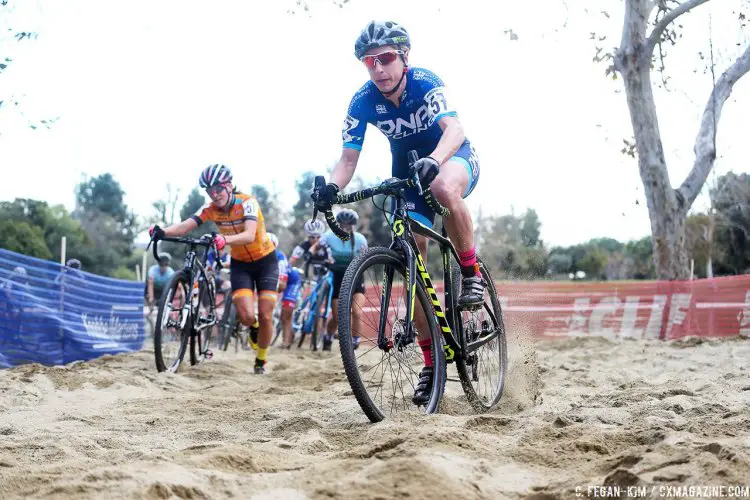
pixel 154 91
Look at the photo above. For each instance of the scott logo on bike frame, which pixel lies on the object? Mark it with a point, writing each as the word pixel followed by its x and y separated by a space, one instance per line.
pixel 442 321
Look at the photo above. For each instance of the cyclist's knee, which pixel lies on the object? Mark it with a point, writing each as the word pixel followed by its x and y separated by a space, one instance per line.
pixel 450 185
pixel 247 317
pixel 265 316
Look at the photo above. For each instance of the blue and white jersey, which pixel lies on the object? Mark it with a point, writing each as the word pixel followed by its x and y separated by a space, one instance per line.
pixel 411 125
pixel 343 252
pixel 287 273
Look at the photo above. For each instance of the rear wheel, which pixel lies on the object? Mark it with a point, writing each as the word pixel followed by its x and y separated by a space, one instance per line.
pixel 173 323
pixel 482 372
pixel 199 343
pixel 383 376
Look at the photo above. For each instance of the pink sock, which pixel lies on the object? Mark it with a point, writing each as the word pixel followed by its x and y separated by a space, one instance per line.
pixel 468 262
pixel 426 346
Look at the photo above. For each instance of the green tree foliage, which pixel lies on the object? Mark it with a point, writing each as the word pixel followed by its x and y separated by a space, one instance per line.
pixel 193 203
pixel 530 229
pixel 100 233
pixel 511 245
pixel 105 217
pixel 102 195
pixel 731 200
pixel 25 238
pixel 593 263
pixel 52 222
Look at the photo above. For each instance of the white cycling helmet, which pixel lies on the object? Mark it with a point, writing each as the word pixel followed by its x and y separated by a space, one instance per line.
pixel 314 227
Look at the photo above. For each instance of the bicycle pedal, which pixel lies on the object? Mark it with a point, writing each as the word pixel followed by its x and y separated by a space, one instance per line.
pixel 470 307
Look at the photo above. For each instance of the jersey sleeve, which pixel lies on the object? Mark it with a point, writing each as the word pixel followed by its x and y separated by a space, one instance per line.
pixel 203 214
pixel 325 247
pixel 355 124
pixel 298 252
pixel 435 98
pixel 251 209
pixel 283 269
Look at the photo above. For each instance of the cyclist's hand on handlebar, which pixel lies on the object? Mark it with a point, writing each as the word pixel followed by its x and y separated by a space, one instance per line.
pixel 427 169
pixel 156 232
pixel 220 242
pixel 326 197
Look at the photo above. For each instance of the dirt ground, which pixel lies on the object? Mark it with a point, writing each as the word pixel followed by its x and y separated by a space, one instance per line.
pixel 576 413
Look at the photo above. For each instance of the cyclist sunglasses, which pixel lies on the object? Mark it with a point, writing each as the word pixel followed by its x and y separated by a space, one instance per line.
pixel 385 58
pixel 214 190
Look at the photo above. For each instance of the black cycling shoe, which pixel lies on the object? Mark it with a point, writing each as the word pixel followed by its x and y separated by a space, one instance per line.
pixel 472 291
pixel 327 342
pixel 260 367
pixel 424 387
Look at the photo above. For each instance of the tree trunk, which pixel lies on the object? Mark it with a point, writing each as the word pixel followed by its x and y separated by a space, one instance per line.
pixel 667 206
pixel 633 61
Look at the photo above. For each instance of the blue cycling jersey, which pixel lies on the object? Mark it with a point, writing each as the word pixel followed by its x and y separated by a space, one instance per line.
pixel 285 269
pixel 411 125
pixel 343 252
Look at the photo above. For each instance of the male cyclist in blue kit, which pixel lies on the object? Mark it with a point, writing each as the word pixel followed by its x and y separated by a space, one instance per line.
pixel 290 283
pixel 343 253
pixel 409 106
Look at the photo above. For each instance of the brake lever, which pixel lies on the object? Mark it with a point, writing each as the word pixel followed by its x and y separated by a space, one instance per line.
pixel 413 157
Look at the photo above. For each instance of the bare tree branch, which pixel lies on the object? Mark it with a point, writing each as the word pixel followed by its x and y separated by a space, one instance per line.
pixel 670 16
pixel 705 148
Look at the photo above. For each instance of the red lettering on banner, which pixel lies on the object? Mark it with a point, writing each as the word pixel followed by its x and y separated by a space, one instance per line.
pixel 717 307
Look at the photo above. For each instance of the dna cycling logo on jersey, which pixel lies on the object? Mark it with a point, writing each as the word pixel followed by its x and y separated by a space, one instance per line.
pixel 399 128
pixel 435 105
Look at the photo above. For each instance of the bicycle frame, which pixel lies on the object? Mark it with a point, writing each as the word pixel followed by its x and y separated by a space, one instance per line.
pixel 403 237
pixel 403 240
pixel 312 298
pixel 195 267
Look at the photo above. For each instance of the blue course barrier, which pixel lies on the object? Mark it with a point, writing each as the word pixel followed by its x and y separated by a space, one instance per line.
pixel 53 315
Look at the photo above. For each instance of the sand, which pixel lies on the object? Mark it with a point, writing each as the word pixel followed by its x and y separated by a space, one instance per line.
pixel 576 413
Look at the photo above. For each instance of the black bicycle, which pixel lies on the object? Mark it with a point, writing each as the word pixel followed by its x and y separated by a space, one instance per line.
pixel 180 320
pixel 389 356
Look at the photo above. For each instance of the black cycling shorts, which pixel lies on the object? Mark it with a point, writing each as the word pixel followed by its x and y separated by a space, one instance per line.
pixel 258 276
pixel 338 278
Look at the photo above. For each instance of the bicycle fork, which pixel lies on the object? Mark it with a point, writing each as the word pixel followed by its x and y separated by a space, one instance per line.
pixel 400 339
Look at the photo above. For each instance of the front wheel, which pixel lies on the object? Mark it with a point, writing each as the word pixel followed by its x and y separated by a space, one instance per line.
pixel 384 373
pixel 173 323
pixel 482 372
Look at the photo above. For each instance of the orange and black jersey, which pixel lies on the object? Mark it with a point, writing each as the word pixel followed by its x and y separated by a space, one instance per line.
pixel 232 221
